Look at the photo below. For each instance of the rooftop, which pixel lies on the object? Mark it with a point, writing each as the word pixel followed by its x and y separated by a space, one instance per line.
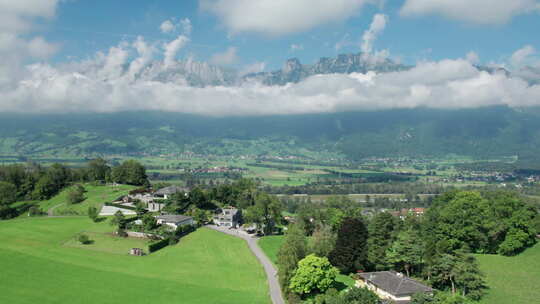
pixel 170 190
pixel 171 218
pixel 395 283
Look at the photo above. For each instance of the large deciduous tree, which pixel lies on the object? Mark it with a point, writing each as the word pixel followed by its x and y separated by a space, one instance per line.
pixel 293 249
pixel 265 213
pixel 313 275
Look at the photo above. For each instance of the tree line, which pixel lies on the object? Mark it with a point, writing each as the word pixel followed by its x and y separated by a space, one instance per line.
pixel 31 181
pixel 437 248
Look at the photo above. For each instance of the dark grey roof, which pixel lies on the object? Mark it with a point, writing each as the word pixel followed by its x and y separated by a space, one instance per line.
pixel 170 218
pixel 170 190
pixel 394 283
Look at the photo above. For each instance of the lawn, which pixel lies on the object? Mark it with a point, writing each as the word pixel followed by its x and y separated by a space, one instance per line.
pixel 39 265
pixel 95 196
pixel 106 242
pixel 512 279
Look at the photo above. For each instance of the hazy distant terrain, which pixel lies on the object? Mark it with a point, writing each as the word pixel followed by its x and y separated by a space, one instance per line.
pixel 484 132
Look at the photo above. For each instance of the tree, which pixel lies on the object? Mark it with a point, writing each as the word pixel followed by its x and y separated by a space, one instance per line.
pixel 130 172
pixel 83 239
pixel 93 213
pixel 314 274
pixel 265 213
pixel 293 249
pixel 98 170
pixel 323 241
pixel 382 230
pixel 44 188
pixel 76 195
pixel 8 193
pixel 350 252
pixel 149 222
pixel 406 252
pixel 118 220
pixel 356 295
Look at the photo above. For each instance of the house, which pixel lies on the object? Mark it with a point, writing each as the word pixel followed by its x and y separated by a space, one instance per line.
pixel 391 285
pixel 174 221
pixel 228 217
pixel 165 193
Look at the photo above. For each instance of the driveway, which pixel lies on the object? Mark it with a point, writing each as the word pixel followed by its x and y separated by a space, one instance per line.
pixel 271 271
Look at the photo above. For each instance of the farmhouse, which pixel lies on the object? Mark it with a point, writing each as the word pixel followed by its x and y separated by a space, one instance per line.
pixel 391 285
pixel 174 221
pixel 228 217
pixel 154 207
pixel 165 193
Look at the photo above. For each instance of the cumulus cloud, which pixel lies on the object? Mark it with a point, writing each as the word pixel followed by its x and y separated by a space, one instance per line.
pixel 17 45
pixel 226 58
pixel 172 48
pixel 477 11
pixel 472 57
pixel 104 84
pixel 522 56
pixel 279 17
pixel 370 35
pixel 171 26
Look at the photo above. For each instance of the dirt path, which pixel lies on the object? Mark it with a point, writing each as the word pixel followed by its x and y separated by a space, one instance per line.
pixel 50 212
pixel 271 271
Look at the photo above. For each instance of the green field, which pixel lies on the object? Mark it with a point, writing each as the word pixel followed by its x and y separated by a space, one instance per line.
pixel 95 196
pixel 41 264
pixel 513 280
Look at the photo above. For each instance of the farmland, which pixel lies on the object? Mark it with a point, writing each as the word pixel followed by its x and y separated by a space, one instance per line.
pixel 41 263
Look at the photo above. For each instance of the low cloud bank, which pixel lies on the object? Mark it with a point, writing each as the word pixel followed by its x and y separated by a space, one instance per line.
pixel 109 83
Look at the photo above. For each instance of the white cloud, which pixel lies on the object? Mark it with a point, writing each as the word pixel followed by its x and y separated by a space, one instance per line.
pixel 41 49
pixel 370 35
pixel 226 58
pixel 296 47
pixel 522 56
pixel 167 27
pixel 187 27
pixel 104 85
pixel 474 11
pixel 171 26
pixel 172 48
pixel 279 17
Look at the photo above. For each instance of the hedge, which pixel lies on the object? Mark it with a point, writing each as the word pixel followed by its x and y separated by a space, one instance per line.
pixel 158 245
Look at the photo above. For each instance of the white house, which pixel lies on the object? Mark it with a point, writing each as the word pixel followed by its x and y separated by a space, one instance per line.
pixel 391 285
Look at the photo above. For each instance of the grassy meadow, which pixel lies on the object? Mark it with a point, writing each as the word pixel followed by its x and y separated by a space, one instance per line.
pixel 41 263
pixel 513 280
pixel 95 197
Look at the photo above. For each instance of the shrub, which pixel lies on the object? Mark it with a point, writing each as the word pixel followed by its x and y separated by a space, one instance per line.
pixel 83 239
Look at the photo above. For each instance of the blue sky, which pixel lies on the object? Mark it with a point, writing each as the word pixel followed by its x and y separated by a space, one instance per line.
pixel 84 27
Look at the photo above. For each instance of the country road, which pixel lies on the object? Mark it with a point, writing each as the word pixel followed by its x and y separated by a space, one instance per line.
pixel 271 271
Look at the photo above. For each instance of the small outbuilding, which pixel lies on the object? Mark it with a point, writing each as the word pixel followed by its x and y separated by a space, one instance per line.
pixel 136 252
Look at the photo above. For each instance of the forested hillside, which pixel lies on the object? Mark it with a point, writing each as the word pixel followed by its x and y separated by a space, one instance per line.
pixel 484 132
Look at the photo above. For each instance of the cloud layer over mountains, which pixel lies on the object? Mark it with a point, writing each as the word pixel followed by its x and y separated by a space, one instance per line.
pixel 141 75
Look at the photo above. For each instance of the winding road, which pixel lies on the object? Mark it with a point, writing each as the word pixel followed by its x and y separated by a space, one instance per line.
pixel 271 271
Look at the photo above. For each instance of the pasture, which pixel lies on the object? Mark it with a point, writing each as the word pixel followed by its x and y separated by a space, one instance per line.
pixel 512 279
pixel 41 264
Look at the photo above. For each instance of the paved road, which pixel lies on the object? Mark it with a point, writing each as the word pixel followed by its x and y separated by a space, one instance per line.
pixel 271 272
